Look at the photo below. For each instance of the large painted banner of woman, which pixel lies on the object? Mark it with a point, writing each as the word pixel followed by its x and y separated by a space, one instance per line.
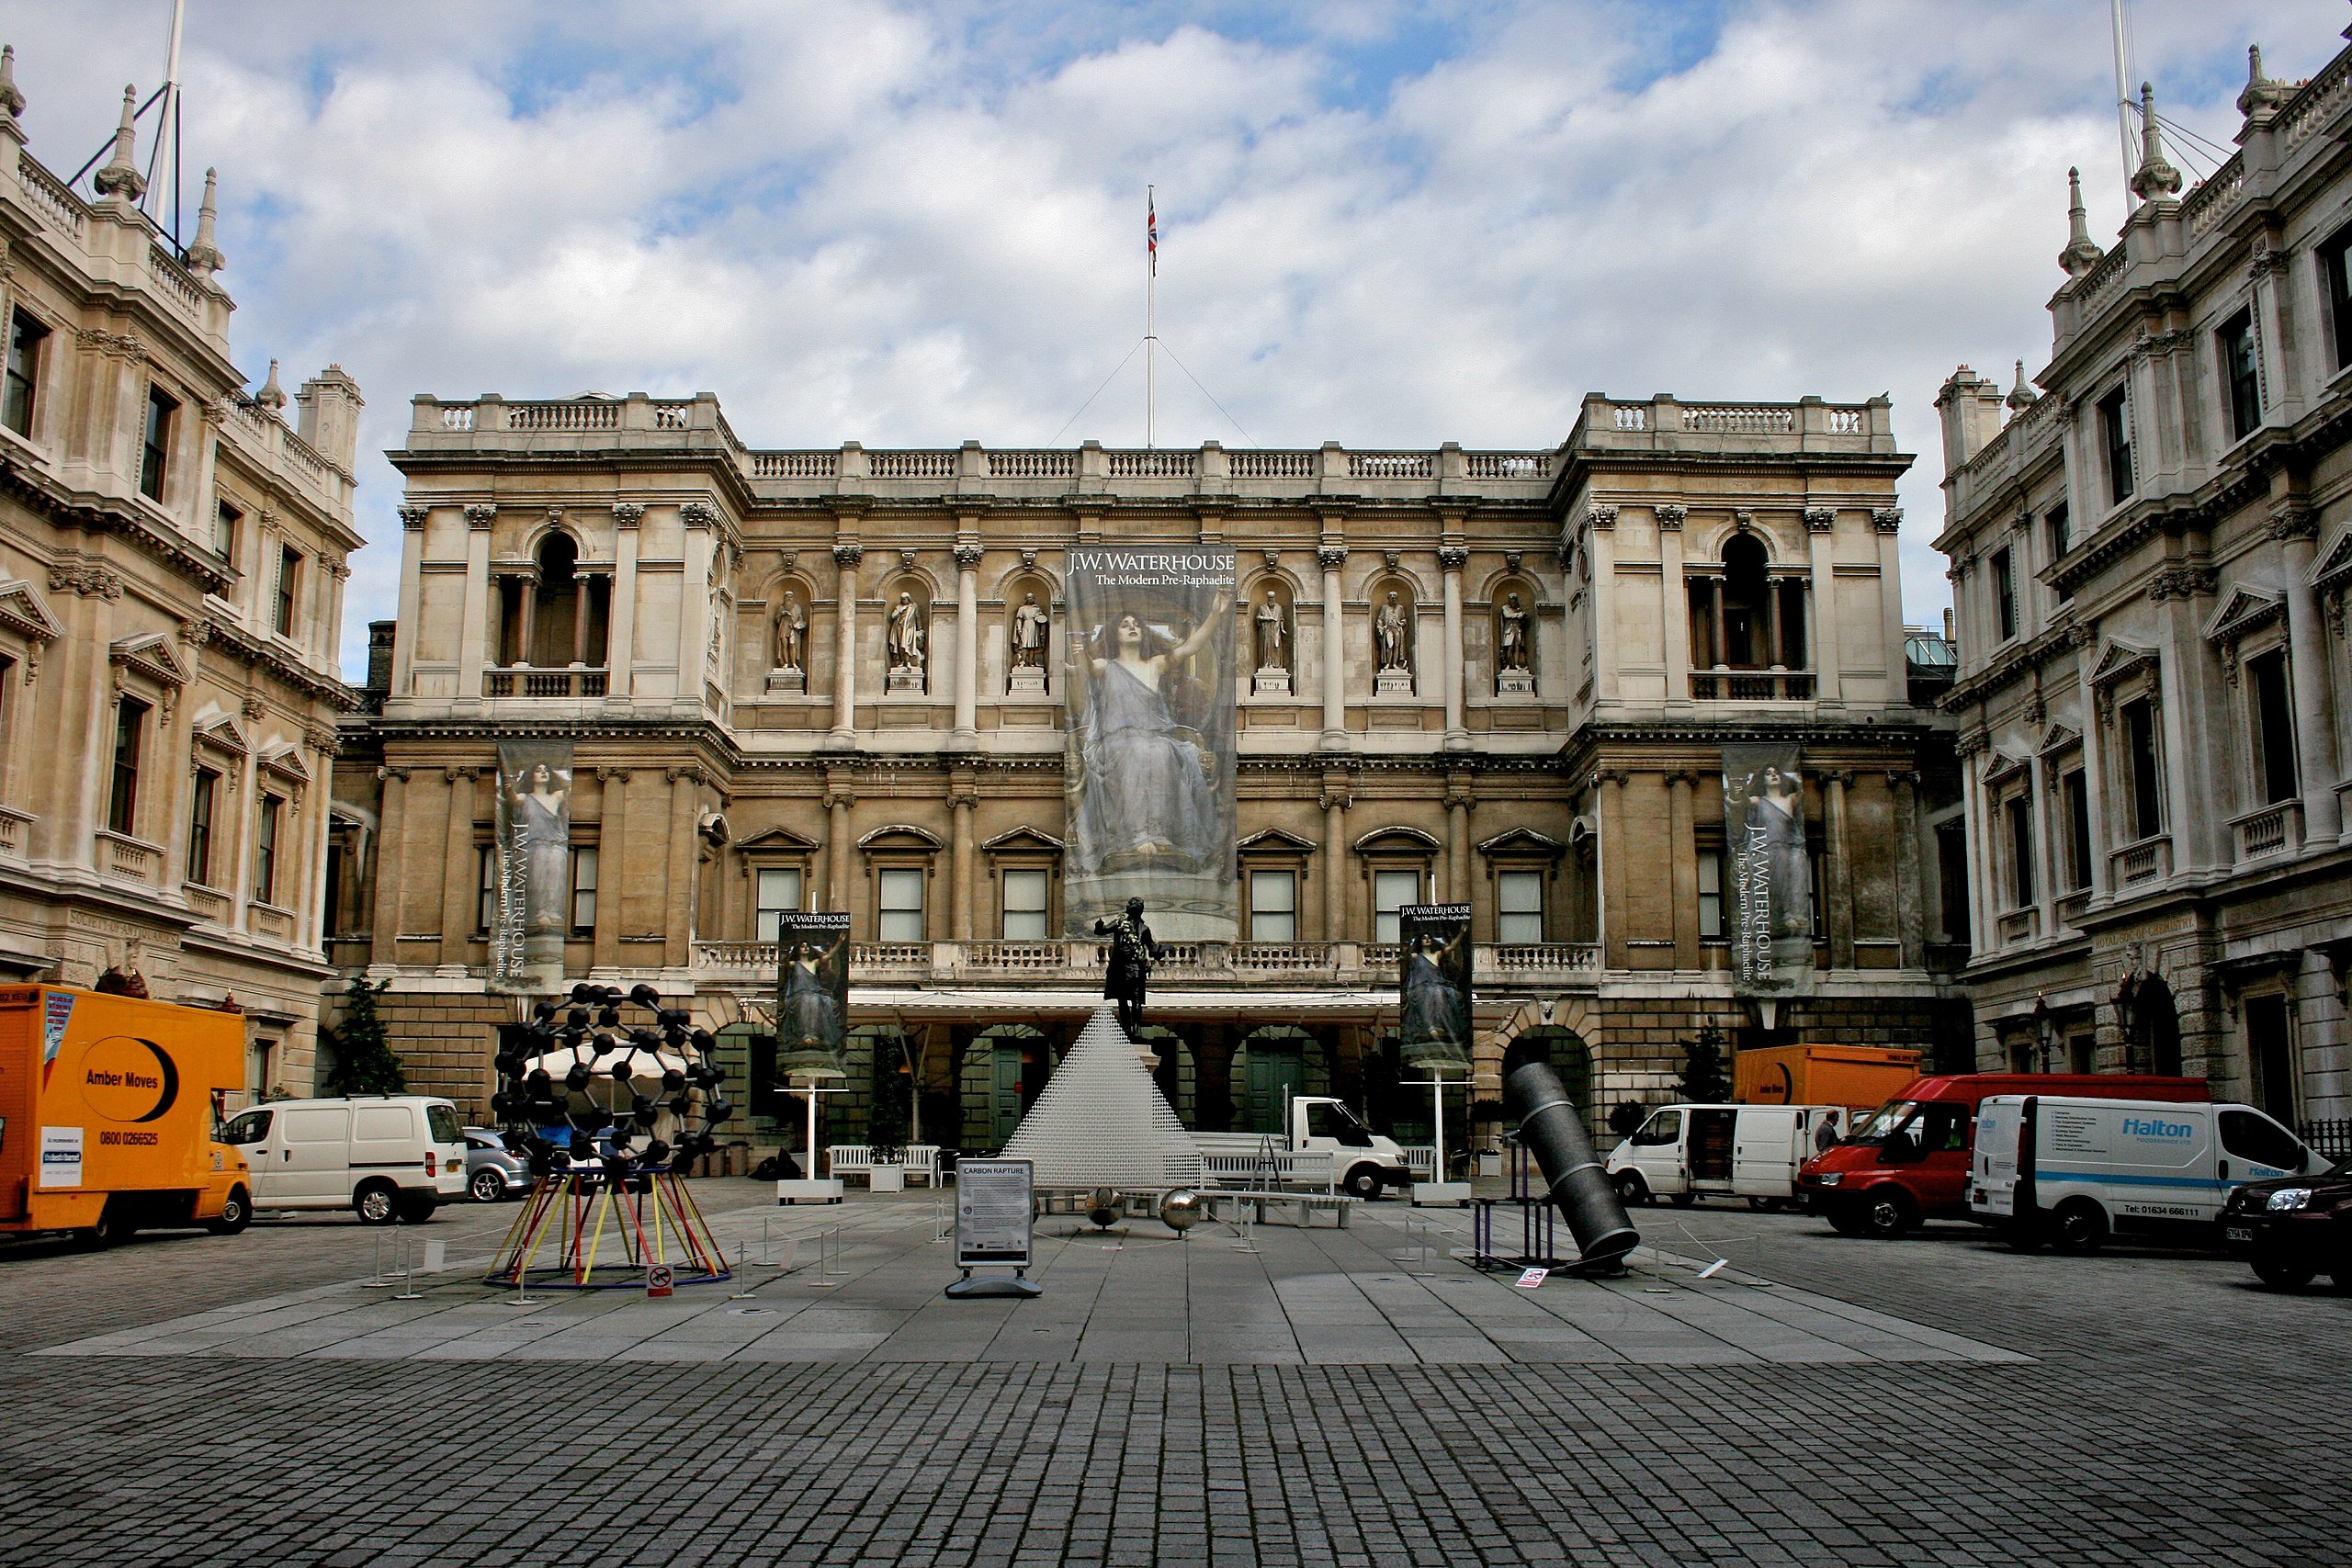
pixel 531 914
pixel 1149 765
pixel 1772 934
pixel 812 996
pixel 1434 955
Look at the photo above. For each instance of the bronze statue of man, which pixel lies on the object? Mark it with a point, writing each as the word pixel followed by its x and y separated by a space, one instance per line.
pixel 1133 953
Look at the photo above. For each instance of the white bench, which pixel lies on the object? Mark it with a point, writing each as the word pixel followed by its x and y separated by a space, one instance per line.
pixel 921 1162
pixel 849 1159
pixel 1301 1207
pixel 1318 1171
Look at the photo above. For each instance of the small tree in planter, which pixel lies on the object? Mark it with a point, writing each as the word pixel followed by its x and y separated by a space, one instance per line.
pixel 1705 1081
pixel 363 1064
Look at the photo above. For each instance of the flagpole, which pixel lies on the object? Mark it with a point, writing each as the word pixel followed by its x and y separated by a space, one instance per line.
pixel 1150 318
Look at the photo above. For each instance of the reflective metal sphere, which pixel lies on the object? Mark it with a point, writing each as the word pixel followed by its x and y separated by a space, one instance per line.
pixel 1107 1207
pixel 1181 1209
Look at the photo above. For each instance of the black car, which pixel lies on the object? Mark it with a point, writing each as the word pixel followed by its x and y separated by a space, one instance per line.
pixel 2294 1228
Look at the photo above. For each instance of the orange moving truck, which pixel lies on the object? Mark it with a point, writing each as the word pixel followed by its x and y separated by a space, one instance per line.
pixel 1859 1078
pixel 109 1111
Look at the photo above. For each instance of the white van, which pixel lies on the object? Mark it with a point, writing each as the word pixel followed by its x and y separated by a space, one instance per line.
pixel 385 1157
pixel 1687 1152
pixel 2072 1171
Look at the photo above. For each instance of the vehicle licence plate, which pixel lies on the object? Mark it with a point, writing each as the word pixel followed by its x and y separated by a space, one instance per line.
pixel 2239 1233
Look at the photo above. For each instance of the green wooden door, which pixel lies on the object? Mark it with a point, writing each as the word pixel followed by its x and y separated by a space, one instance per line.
pixel 1275 1075
pixel 1006 1053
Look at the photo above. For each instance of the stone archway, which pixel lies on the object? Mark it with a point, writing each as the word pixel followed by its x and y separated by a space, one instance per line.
pixel 1002 1071
pixel 2151 1024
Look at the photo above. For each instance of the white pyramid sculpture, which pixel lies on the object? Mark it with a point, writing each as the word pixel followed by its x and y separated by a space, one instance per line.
pixel 1103 1123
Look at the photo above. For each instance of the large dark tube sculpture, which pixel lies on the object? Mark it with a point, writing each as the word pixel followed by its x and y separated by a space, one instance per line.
pixel 1579 1184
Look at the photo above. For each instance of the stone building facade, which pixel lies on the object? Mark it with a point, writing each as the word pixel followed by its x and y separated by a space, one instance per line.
pixel 172 568
pixel 1467 675
pixel 2150 558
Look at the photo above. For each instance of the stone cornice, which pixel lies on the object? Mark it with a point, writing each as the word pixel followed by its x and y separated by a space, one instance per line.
pixel 106 514
pixel 249 650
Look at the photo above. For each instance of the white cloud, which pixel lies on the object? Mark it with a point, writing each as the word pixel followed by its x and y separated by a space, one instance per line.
pixel 912 223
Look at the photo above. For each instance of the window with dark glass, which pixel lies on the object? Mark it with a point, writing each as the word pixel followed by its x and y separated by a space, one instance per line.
pixel 289 571
pixel 2241 376
pixel 2073 790
pixel 2115 437
pixel 199 826
pixel 2336 279
pixel 1710 894
pixel 584 891
pixel 265 849
pixel 1745 618
pixel 129 733
pixel 2143 780
pixel 1951 879
pixel 25 338
pixel 2062 533
pixel 156 448
pixel 2019 808
pixel 2274 726
pixel 486 892
pixel 225 519
pixel 2005 595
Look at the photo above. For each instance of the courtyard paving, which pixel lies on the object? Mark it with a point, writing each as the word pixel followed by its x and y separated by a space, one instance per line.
pixel 1331 1397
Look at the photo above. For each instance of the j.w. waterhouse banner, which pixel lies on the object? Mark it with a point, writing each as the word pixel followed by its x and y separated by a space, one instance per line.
pixel 531 914
pixel 1771 933
pixel 1434 958
pixel 812 995
pixel 1149 769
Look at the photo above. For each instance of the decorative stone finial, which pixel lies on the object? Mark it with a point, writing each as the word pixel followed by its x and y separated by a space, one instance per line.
pixel 2156 179
pixel 204 257
pixel 2020 396
pixel 121 177
pixel 2262 96
pixel 2080 254
pixel 272 396
pixel 12 101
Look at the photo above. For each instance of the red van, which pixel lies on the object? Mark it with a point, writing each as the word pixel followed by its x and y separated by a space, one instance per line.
pixel 1908 1160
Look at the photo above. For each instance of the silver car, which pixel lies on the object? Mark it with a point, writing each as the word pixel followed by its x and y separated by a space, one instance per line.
pixel 493 1170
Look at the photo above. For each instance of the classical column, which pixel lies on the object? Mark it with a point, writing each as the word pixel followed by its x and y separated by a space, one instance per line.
pixel 1609 810
pixel 474 629
pixel 384 920
pixel 1684 848
pixel 846 557
pixel 1775 655
pixel 1453 557
pixel 1335 651
pixel 2045 829
pixel 1821 622
pixel 1335 865
pixel 1888 522
pixel 1910 901
pixel 412 598
pixel 696 602
pixel 963 795
pixel 612 874
pixel 620 637
pixel 1601 524
pixel 1983 936
pixel 527 618
pixel 678 922
pixel 838 800
pixel 1718 645
pixel 2097 714
pixel 1457 839
pixel 1835 870
pixel 1676 606
pixel 460 881
pixel 967 644
pixel 2294 527
pixel 317 918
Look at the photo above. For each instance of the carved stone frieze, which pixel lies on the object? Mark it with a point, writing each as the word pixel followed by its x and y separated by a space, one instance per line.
pixel 2181 582
pixel 86 578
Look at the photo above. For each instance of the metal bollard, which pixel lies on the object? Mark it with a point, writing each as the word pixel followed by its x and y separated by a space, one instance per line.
pixel 408 1292
pixel 743 1273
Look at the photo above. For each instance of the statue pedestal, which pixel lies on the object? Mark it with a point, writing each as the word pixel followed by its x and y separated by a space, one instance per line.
pixel 1026 680
pixel 905 680
pixel 793 681
pixel 1393 683
pixel 1270 681
pixel 1515 684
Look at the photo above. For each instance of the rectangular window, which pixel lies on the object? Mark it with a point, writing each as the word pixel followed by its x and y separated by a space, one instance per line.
pixel 290 571
pixel 1391 891
pixel 486 898
pixel 2019 808
pixel 25 337
pixel 2274 728
pixel 225 519
pixel 122 797
pixel 155 454
pixel 2143 775
pixel 900 910
pixel 776 891
pixel 265 849
pixel 2061 531
pixel 2005 595
pixel 1710 895
pixel 583 892
pixel 1519 906
pixel 2240 377
pixel 2074 790
pixel 2114 436
pixel 7 687
pixel 2336 279
pixel 1951 879
pixel 1025 905
pixel 1274 906
pixel 199 827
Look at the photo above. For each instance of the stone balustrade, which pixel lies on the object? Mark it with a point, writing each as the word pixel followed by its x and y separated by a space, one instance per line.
pixel 1504 967
pixel 1666 424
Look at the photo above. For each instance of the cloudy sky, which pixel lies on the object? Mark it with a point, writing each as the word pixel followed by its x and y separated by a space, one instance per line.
pixel 1382 222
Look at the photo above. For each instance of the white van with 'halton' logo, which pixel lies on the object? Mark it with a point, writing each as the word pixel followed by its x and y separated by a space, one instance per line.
pixel 2071 1171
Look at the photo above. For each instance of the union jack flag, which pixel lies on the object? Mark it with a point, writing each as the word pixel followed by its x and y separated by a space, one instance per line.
pixel 1151 229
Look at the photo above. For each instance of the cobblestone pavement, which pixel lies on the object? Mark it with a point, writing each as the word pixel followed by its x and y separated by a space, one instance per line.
pixel 2145 1407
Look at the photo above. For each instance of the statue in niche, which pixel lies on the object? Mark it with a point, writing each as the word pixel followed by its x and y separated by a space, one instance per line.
pixel 1030 624
pixel 1392 633
pixel 1515 646
pixel 1274 634
pixel 905 644
pixel 791 631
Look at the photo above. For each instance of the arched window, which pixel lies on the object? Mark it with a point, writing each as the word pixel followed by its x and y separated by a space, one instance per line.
pixel 555 617
pixel 1743 617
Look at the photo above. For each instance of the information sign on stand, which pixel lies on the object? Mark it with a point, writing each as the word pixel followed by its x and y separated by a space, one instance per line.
pixel 994 1201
